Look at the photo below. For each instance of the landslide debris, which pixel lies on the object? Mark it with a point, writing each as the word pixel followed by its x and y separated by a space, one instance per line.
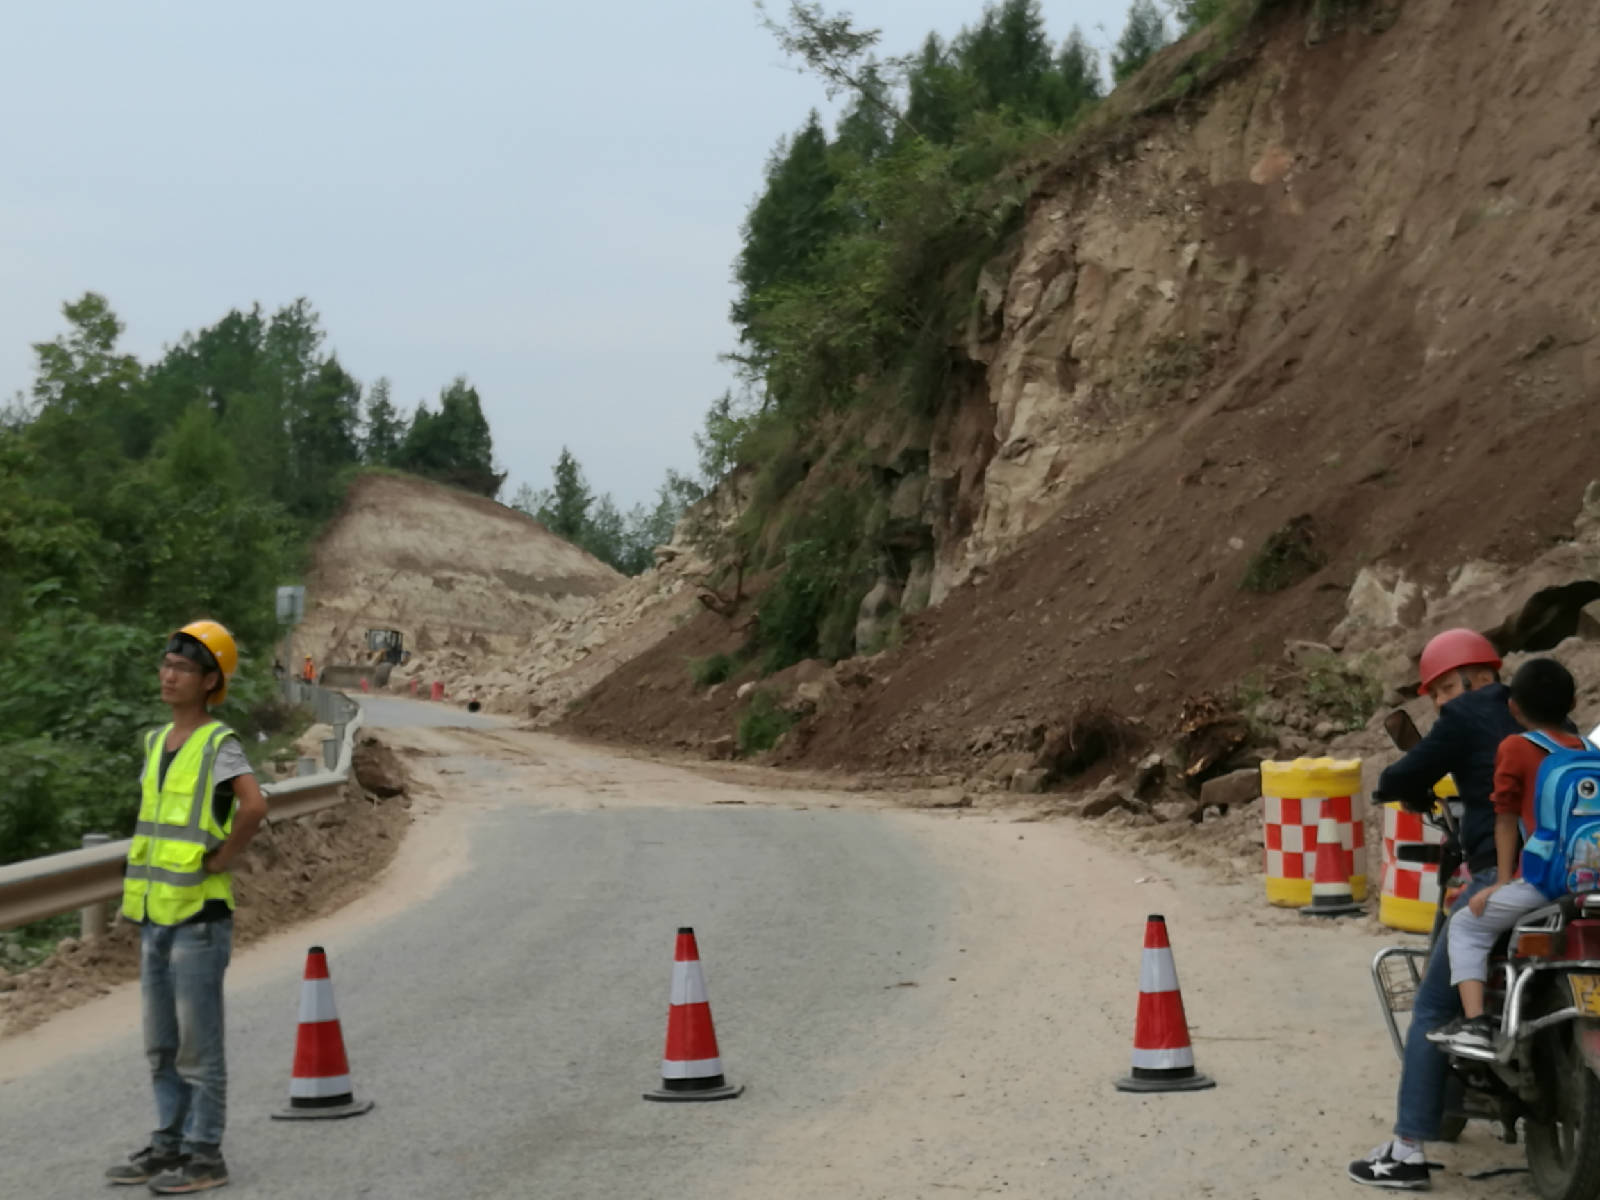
pixel 1320 331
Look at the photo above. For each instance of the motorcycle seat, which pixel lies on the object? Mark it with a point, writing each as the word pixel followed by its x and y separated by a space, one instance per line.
pixel 1502 944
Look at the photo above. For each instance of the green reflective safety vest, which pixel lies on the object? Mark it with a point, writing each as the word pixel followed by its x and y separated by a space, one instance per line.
pixel 166 881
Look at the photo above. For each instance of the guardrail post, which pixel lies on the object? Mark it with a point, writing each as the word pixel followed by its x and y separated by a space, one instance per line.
pixel 330 747
pixel 306 766
pixel 92 917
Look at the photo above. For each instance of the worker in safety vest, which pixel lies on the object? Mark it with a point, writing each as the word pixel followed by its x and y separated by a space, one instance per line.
pixel 308 672
pixel 200 808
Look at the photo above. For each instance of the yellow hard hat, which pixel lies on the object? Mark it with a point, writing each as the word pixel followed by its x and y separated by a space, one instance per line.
pixel 215 637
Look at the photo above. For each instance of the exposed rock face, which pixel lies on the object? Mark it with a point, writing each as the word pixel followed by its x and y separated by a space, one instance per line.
pixel 1332 287
pixel 878 609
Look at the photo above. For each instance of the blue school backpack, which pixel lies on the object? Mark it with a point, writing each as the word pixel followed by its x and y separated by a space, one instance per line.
pixel 1563 853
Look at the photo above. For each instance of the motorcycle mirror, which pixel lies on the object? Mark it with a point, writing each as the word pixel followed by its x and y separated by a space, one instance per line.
pixel 1402 730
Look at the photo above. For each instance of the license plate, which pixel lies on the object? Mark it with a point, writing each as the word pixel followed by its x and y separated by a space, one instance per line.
pixel 1585 994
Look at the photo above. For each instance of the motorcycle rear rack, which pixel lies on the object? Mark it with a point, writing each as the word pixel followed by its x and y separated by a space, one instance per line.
pixel 1396 974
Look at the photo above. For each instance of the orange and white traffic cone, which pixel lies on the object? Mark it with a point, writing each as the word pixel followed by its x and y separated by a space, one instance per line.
pixel 1330 885
pixel 691 1068
pixel 1163 1059
pixel 319 1087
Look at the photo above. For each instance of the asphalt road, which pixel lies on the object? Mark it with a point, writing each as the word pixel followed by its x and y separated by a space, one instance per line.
pixel 921 1004
pixel 507 1026
pixel 383 712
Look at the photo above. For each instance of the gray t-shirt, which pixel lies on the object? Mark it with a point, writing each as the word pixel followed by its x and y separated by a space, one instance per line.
pixel 230 765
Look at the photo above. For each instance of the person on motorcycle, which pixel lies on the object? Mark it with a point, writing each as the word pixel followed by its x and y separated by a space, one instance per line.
pixel 1460 673
pixel 1543 695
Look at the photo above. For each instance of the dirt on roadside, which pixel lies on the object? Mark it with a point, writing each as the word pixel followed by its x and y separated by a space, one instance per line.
pixel 293 871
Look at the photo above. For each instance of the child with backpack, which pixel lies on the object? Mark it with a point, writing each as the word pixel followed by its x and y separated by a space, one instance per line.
pixel 1546 797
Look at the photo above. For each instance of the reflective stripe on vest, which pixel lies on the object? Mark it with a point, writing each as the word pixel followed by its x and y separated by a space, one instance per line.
pixel 166 882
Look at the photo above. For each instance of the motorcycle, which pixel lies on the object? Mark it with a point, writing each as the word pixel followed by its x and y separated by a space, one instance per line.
pixel 1544 993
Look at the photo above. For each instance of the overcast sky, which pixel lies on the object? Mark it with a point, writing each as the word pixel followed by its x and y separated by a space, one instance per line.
pixel 545 198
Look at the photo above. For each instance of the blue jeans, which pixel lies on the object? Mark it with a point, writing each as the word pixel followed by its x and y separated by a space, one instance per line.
pixel 180 976
pixel 1425 1068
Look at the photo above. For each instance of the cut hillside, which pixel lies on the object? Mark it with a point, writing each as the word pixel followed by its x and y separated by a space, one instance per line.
pixel 562 662
pixel 1330 320
pixel 458 575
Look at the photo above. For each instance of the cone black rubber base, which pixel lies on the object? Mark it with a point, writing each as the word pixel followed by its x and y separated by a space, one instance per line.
pixel 325 1112
pixel 1175 1083
pixel 726 1091
pixel 1337 909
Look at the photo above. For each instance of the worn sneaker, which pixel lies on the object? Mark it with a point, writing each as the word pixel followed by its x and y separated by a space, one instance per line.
pixel 196 1174
pixel 1467 1034
pixel 1382 1169
pixel 144 1165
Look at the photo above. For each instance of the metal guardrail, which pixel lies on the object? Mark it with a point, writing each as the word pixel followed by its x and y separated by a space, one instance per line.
pixel 84 879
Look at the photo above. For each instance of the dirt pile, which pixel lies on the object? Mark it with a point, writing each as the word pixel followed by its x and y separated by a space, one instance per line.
pixel 293 871
pixel 460 576
pixel 1324 331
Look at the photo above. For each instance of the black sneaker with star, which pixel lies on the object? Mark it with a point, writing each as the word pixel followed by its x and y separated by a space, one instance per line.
pixel 1382 1169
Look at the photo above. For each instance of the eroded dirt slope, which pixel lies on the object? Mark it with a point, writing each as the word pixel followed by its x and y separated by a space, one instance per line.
pixel 1349 289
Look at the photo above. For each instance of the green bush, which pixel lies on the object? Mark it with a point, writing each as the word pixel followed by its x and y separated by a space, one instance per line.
pixel 810 612
pixel 1345 692
pixel 790 611
pixel 763 723
pixel 712 670
pixel 1289 555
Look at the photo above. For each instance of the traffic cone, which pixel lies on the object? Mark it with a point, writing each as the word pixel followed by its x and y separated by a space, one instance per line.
pixel 319 1088
pixel 1330 885
pixel 1163 1060
pixel 691 1068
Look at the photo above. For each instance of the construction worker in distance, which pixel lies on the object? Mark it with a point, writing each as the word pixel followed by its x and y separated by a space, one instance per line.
pixel 199 809
pixel 308 672
pixel 1460 672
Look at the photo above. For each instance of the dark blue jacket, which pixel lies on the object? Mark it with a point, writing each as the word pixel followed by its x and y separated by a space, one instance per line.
pixel 1462 743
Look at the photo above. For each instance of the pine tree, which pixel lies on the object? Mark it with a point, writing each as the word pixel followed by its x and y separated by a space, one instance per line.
pixel 790 223
pixel 1007 54
pixel 865 133
pixel 1077 77
pixel 384 428
pixel 564 509
pixel 604 534
pixel 452 445
pixel 938 95
pixel 1145 33
pixel 323 432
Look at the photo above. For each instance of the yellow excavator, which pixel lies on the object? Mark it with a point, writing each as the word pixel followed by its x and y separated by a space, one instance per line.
pixel 385 650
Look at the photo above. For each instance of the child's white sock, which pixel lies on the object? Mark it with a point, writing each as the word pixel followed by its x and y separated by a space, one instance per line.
pixel 1405 1150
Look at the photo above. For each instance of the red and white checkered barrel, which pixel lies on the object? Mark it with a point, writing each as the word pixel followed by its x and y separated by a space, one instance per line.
pixel 1409 897
pixel 1294 798
pixel 1410 893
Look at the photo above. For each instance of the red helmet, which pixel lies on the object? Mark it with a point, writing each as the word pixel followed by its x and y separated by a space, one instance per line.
pixel 1454 649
